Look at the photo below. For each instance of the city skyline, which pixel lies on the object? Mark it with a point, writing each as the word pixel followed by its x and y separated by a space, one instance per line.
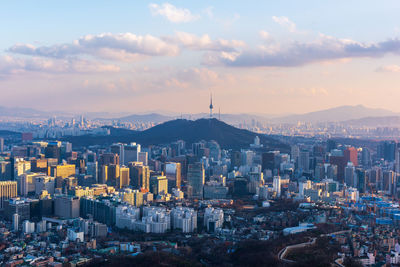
pixel 131 57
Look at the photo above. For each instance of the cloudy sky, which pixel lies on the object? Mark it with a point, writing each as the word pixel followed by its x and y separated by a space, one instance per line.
pixel 269 57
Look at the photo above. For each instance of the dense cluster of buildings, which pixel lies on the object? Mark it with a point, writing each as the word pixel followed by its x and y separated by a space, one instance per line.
pixel 88 193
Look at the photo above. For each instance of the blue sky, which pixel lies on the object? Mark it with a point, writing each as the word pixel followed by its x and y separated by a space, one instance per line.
pixel 137 56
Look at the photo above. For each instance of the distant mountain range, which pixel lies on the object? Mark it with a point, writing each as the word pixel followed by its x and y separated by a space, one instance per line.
pixel 189 131
pixel 338 114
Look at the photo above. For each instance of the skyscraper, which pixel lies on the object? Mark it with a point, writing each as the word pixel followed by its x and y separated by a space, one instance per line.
pixel 196 178
pixel 123 177
pixel 159 185
pixel 8 189
pixel 1 145
pixel 139 175
pixel 131 153
pixel 173 174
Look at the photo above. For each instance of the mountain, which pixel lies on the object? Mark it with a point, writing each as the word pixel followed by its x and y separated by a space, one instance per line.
pixel 341 113
pixel 189 131
pixel 152 117
pixel 228 118
pixel 387 121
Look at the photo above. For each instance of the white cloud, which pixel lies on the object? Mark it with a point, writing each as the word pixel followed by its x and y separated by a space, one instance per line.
pixel 106 45
pixel 204 42
pixel 323 49
pixel 264 35
pixel 13 65
pixel 172 13
pixel 285 22
pixel 389 68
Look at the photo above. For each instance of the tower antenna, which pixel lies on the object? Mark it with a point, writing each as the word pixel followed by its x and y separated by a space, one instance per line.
pixel 211 106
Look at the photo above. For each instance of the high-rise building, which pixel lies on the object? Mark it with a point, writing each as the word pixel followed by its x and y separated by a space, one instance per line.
pixel 66 206
pixel 196 179
pixel 133 197
pixel 304 161
pixel 159 185
pixel 113 174
pixel 123 179
pixel 139 175
pixel 62 171
pixel 349 175
pixel 8 189
pixel 143 157
pixel 277 185
pixel 6 172
pixel 53 150
pixel 20 206
pixel 350 154
pixel 21 166
pixel 109 158
pixel 386 150
pixel 131 153
pixel 1 145
pixel 117 149
pixel 173 173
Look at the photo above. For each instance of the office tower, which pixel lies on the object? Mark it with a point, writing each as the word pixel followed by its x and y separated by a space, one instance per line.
pixel 159 185
pixel 45 183
pixel 109 158
pixel 143 157
pixel 215 150
pixel 113 174
pixel 196 179
pixel 92 169
pixel 26 183
pixel 20 167
pixel 331 145
pixel 39 165
pixel 117 149
pixel 1 145
pixel 338 159
pixel 62 171
pixel 133 197
pixel 18 206
pixel 131 153
pixel 247 157
pixel 387 150
pixel 66 206
pixel 123 179
pixel 235 159
pixel 304 161
pixel 139 175
pixel 240 186
pixel 53 150
pixel 350 154
pixel 277 185
pixel 15 222
pixel 303 185
pixel 349 174
pixel 295 153
pixel 268 160
pixel 173 174
pixel 319 172
pixel 389 182
pixel 6 172
pixel 331 171
pixel 197 147
pixel 103 174
pixel 361 180
pixel 8 189
pixel 366 157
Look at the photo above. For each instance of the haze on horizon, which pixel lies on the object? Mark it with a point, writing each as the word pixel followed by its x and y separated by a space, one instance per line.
pixel 254 56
